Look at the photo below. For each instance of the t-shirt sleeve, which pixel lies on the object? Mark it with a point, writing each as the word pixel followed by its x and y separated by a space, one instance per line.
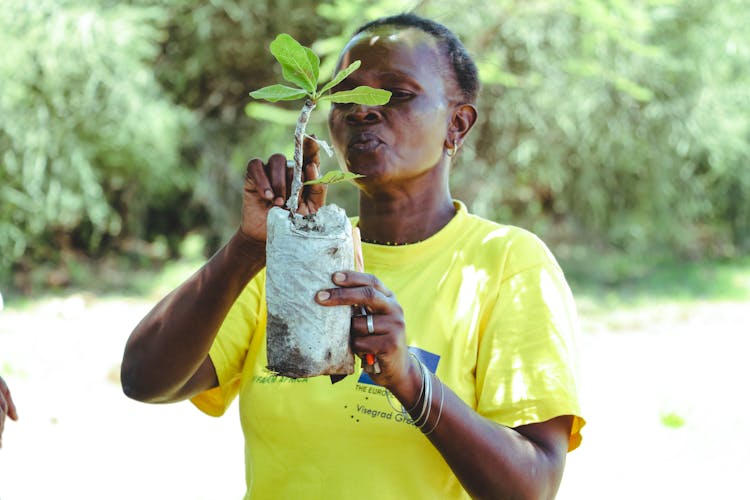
pixel 230 347
pixel 527 364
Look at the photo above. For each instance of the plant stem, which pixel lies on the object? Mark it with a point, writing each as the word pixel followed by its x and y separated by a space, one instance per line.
pixel 299 137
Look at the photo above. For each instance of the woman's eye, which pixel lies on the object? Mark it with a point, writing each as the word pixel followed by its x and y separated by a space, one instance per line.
pixel 400 94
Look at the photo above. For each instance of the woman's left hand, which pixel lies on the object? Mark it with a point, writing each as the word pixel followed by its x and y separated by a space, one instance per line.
pixel 384 337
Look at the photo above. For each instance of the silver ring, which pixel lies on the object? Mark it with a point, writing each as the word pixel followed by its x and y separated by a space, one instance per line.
pixel 370 325
pixel 290 164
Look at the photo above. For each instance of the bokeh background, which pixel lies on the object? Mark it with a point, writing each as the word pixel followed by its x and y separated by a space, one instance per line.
pixel 618 131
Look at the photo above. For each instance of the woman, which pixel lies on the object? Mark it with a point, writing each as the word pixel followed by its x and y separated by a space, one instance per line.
pixel 468 322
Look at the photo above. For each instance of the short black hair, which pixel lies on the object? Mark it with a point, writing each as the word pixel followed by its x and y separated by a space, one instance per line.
pixel 458 58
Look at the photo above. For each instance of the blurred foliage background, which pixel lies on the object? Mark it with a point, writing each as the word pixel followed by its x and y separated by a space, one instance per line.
pixel 619 131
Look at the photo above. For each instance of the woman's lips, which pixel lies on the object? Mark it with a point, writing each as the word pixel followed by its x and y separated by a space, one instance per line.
pixel 364 142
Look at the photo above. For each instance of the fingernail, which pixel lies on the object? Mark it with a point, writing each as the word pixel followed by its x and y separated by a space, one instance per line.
pixel 323 295
pixel 339 277
pixel 268 193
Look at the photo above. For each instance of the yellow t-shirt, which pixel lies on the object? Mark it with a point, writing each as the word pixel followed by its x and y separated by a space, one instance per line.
pixel 487 309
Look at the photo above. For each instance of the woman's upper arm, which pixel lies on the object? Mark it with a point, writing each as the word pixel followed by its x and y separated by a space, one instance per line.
pixel 203 379
pixel 551 436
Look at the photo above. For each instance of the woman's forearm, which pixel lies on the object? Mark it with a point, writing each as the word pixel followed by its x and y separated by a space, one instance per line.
pixel 490 460
pixel 171 343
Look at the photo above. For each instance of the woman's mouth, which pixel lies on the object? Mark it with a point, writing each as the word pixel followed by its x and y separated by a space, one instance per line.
pixel 364 142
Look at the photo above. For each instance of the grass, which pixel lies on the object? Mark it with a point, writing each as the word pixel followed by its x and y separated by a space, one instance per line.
pixel 599 281
pixel 622 281
pixel 114 276
pixel 672 420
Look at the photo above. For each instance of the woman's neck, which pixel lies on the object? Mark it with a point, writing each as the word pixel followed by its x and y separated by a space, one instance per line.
pixel 402 217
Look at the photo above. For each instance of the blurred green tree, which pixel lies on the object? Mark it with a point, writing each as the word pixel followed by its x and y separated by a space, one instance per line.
pixel 89 140
pixel 216 52
pixel 617 125
pixel 604 125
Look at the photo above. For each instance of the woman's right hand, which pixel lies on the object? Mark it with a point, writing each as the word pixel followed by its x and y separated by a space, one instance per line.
pixel 152 369
pixel 269 185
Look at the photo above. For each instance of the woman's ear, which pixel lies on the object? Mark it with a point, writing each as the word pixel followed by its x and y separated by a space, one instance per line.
pixel 464 117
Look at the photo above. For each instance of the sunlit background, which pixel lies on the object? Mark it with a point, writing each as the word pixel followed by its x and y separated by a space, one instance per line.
pixel 618 131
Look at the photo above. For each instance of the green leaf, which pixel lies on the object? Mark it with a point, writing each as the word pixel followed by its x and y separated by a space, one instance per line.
pixel 297 66
pixel 314 60
pixel 334 177
pixel 340 76
pixel 278 92
pixel 360 95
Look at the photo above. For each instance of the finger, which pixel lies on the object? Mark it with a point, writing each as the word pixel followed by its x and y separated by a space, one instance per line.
pixel 256 180
pixel 382 347
pixel 354 279
pixel 277 171
pixel 375 345
pixel 370 297
pixel 310 152
pixel 314 194
pixel 3 410
pixel 311 170
pixel 381 324
pixel 12 412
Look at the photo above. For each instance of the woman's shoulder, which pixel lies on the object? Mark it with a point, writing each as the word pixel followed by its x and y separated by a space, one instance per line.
pixel 498 233
pixel 514 246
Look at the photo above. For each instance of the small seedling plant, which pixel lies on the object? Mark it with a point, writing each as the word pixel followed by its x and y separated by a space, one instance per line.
pixel 303 338
pixel 301 67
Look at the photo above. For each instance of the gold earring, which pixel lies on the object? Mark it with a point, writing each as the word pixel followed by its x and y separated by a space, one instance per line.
pixel 451 152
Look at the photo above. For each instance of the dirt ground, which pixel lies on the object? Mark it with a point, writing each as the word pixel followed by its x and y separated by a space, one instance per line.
pixel 662 387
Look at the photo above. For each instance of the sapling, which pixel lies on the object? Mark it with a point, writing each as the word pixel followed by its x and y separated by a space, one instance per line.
pixel 305 339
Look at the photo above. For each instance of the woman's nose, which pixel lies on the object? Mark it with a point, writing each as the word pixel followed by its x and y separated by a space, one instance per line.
pixel 360 113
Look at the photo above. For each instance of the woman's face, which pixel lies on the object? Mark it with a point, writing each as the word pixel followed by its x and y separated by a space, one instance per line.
pixel 403 138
